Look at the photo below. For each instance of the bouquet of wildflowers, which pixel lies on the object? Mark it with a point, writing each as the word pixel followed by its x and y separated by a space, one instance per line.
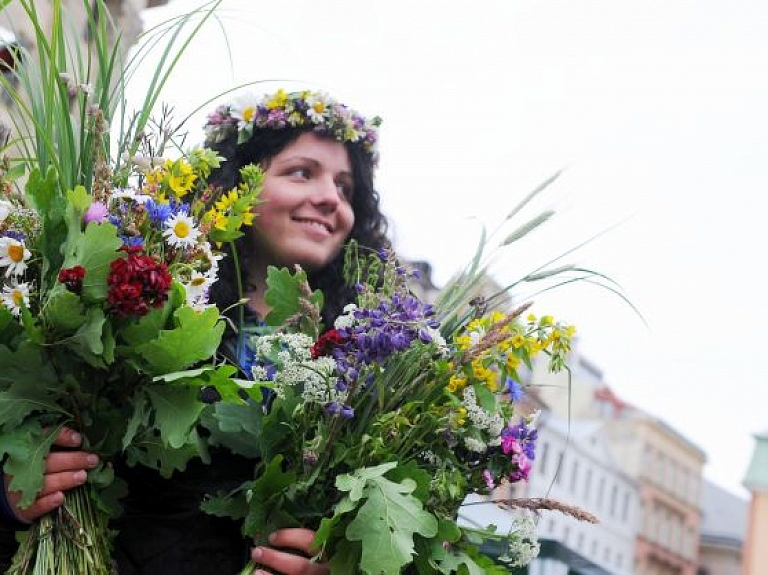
pixel 377 429
pixel 105 262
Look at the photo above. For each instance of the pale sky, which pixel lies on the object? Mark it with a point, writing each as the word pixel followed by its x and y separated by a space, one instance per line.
pixel 657 110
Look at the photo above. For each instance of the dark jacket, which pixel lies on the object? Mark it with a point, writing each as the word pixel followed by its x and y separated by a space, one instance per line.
pixel 163 531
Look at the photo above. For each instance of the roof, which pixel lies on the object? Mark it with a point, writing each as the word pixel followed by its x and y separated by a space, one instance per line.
pixel 724 515
pixel 756 478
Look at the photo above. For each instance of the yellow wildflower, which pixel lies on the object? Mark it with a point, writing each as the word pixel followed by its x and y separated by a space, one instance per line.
pixel 181 177
pixel 278 100
pixel 512 362
pixel 461 416
pixel 497 316
pixel 518 341
pixel 457 382
pixel 463 341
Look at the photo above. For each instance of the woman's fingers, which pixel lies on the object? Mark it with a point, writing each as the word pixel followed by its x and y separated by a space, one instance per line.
pixel 275 561
pixel 68 438
pixel 294 538
pixel 41 506
pixel 286 562
pixel 58 461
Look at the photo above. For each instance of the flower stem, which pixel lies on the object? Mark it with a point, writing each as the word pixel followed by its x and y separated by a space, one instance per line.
pixel 73 539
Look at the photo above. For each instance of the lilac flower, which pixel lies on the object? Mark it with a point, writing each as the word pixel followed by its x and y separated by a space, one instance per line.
pixel 490 482
pixel 97 212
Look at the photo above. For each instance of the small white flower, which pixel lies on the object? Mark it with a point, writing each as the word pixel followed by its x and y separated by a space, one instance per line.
pixel 317 107
pixel 128 194
pixel 244 110
pixel 13 296
pixel 181 231
pixel 13 256
pixel 5 210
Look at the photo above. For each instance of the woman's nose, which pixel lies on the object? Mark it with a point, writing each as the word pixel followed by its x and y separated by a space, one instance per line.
pixel 326 193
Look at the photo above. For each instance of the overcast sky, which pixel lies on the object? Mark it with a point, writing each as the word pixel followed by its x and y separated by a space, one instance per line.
pixel 658 112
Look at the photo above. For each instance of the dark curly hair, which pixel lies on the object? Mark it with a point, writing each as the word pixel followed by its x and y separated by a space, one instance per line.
pixel 369 230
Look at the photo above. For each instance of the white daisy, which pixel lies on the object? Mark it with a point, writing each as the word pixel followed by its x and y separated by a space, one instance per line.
pixel 317 107
pixel 13 255
pixel 244 110
pixel 6 208
pixel 180 230
pixel 13 296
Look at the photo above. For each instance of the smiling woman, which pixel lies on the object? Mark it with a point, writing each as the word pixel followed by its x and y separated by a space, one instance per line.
pixel 318 159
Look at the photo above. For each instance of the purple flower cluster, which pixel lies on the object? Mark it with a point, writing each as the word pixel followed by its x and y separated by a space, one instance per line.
pixel 381 332
pixel 519 442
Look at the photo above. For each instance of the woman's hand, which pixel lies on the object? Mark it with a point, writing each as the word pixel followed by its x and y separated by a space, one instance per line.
pixel 64 470
pixel 286 562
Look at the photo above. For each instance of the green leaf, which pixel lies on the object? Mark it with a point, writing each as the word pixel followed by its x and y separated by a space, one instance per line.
pixel 177 410
pixel 485 397
pixel 238 427
pixel 139 418
pixel 386 523
pixel 26 448
pixel 29 384
pixel 233 506
pixel 9 327
pixel 196 338
pixel 346 558
pixel 87 340
pixel 147 328
pixel 284 294
pixel 265 494
pixel 64 312
pixel 42 194
pixel 95 249
pixel 154 453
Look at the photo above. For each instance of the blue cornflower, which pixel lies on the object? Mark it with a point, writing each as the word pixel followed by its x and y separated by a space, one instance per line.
pixel 158 212
pixel 133 242
pixel 514 389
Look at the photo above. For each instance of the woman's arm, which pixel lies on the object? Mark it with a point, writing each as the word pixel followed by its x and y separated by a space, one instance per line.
pixel 64 470
pixel 277 561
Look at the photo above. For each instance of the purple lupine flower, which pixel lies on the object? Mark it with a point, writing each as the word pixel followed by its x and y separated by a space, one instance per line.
pixel 18 236
pixel 97 213
pixel 347 412
pixel 333 408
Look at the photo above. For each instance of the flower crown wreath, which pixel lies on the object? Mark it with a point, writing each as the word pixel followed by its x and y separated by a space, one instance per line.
pixel 280 110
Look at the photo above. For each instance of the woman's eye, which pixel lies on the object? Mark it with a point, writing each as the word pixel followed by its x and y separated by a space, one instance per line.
pixel 302 173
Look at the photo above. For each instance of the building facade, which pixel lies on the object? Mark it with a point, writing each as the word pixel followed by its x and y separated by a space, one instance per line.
pixel 723 527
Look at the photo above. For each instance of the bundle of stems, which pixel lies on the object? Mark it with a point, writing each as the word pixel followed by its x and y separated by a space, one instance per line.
pixel 73 539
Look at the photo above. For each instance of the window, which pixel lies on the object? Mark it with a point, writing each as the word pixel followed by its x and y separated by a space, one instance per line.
pixel 587 485
pixel 625 507
pixel 600 489
pixel 543 458
pixel 614 496
pixel 560 467
pixel 574 476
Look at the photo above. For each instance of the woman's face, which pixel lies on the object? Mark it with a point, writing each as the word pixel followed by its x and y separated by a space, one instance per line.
pixel 306 216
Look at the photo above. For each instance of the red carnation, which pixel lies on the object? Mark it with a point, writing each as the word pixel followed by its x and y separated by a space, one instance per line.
pixel 326 342
pixel 137 283
pixel 73 278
